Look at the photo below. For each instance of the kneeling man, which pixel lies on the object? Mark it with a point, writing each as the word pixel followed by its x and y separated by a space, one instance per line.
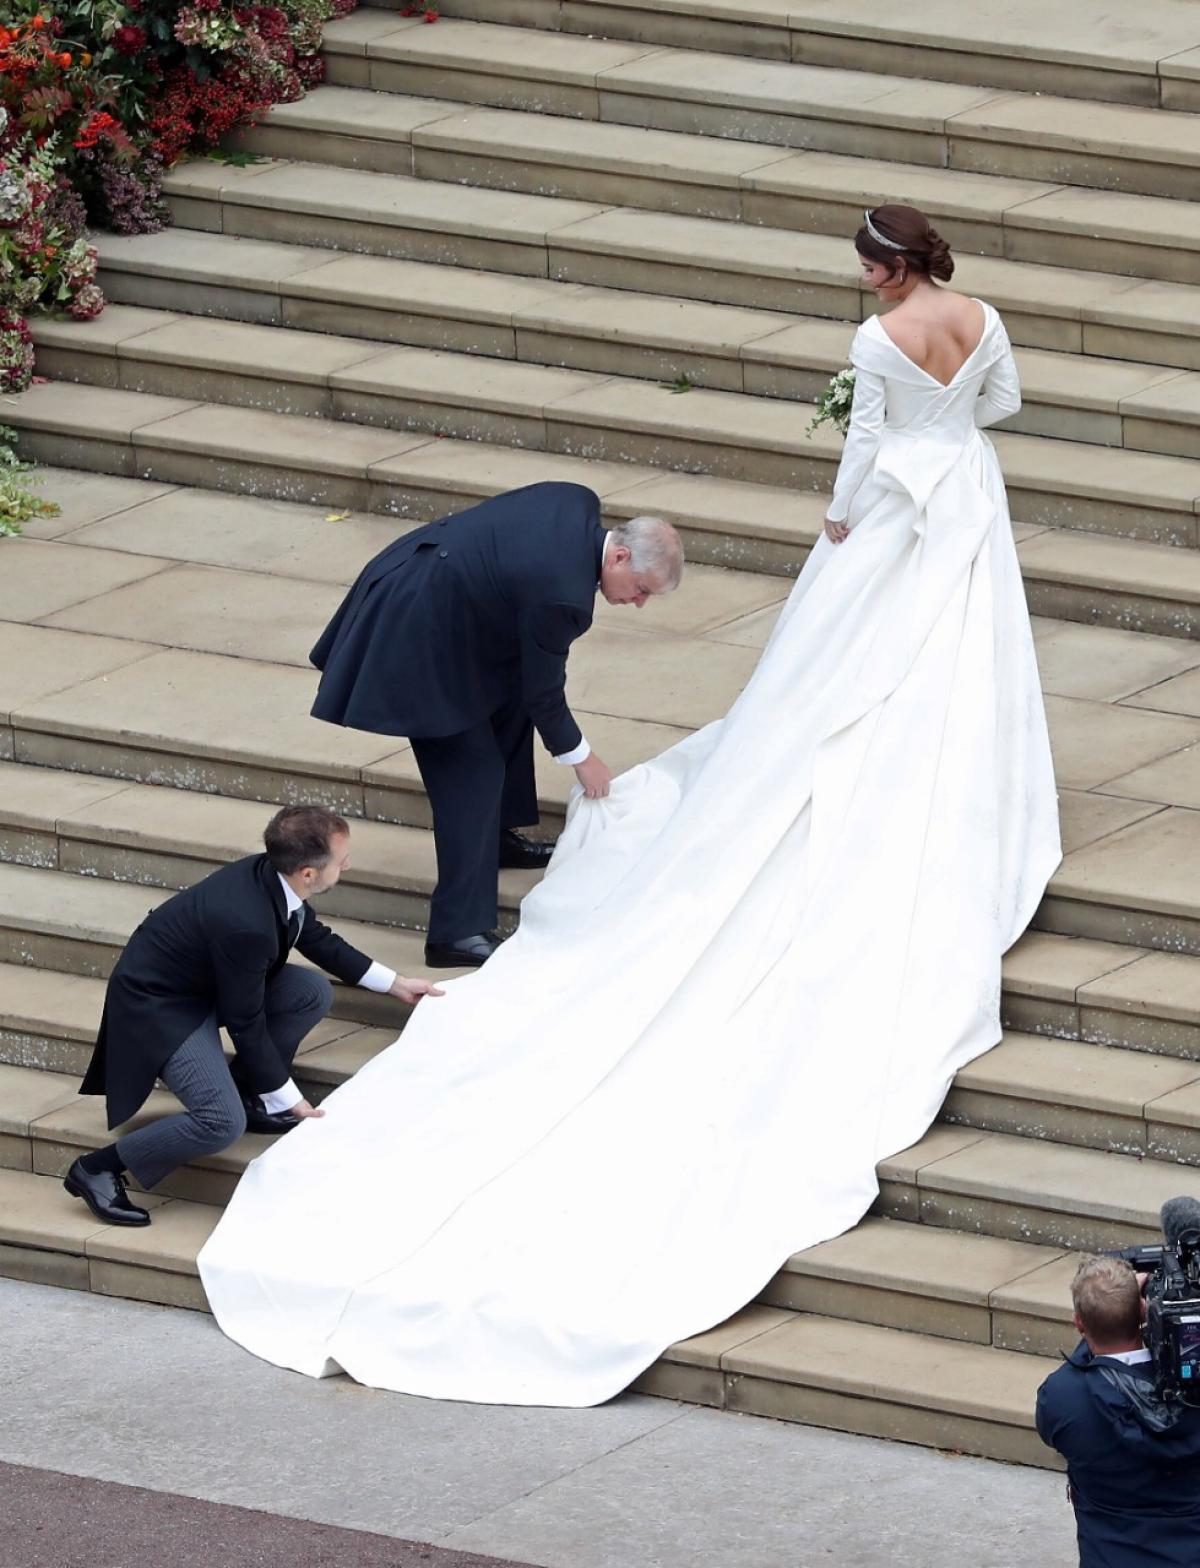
pixel 457 636
pixel 216 954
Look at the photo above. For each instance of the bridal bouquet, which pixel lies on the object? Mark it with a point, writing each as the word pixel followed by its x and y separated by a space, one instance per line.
pixel 833 405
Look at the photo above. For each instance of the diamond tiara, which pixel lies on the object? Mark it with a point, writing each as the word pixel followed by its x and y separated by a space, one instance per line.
pixel 881 239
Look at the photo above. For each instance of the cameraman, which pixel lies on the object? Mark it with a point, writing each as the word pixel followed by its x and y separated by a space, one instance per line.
pixel 1133 1461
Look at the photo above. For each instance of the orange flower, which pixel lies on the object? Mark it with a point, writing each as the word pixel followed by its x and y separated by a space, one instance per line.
pixel 37 23
pixel 85 59
pixel 65 61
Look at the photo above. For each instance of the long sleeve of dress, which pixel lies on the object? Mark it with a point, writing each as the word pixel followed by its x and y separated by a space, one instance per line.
pixel 862 441
pixel 1000 394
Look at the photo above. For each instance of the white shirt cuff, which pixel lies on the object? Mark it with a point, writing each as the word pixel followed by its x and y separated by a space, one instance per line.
pixel 281 1099
pixel 572 759
pixel 378 978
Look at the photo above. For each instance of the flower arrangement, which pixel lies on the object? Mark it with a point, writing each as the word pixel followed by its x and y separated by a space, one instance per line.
pixel 97 99
pixel 17 500
pixel 834 404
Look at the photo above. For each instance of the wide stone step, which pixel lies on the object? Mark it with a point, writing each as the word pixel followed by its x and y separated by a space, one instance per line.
pixel 753 183
pixel 778 269
pixel 49 1020
pixel 1075 1092
pixel 169 838
pixel 78 926
pixel 810 107
pixel 542 322
pixel 1078 48
pixel 960 1178
pixel 334 463
pixel 730 435
pixel 1024 1189
pixel 1070 575
pixel 982 1290
pixel 855 1377
pixel 1063 987
pixel 768 1361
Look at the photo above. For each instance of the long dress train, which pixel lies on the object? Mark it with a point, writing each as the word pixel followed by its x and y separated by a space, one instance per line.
pixel 747 977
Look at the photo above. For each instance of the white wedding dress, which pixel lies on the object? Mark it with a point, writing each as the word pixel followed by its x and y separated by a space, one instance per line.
pixel 747 977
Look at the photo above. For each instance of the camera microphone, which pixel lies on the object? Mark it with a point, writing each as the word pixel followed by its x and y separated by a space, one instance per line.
pixel 1179 1216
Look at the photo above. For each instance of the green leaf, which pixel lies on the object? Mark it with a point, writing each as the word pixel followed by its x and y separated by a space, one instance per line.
pixel 239 160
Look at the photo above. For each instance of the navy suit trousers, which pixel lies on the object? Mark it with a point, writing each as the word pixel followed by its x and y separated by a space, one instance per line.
pixel 478 782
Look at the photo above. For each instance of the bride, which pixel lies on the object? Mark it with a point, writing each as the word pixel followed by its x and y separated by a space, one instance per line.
pixel 748 975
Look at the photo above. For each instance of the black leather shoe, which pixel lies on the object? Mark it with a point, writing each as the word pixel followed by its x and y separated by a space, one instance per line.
pixel 469 952
pixel 258 1120
pixel 518 853
pixel 104 1193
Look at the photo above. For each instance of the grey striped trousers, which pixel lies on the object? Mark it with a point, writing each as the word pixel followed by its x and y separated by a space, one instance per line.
pixel 200 1078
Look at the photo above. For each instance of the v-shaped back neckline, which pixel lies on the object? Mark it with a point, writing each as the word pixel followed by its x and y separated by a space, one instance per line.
pixel 944 385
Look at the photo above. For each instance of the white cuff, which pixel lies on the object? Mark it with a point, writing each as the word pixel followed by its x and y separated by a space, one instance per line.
pixel 572 759
pixel 378 978
pixel 281 1099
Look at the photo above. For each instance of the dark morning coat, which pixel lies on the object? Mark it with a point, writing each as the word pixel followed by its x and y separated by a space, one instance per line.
pixel 211 948
pixel 1136 1491
pixel 464 616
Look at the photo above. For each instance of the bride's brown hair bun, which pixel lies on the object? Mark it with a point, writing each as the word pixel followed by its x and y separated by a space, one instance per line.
pixel 914 241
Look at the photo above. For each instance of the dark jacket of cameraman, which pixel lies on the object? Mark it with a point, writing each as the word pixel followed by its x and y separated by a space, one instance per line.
pixel 1135 1487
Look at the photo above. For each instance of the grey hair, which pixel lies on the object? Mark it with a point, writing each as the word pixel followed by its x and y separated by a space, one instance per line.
pixel 654 549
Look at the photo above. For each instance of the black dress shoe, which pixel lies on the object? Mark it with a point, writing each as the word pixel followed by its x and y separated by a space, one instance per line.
pixel 104 1193
pixel 258 1120
pixel 469 952
pixel 518 853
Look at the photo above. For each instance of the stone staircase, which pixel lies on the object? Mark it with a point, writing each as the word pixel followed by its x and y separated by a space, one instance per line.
pixel 609 242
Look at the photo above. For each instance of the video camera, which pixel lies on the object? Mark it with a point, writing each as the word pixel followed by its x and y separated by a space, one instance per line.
pixel 1172 1330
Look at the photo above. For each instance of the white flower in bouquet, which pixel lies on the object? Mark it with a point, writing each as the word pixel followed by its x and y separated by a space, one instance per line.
pixel 833 405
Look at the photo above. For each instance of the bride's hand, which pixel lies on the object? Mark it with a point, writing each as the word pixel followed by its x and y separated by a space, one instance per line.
pixel 411 991
pixel 836 533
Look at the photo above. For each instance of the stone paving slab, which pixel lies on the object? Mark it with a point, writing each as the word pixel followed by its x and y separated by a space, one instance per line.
pixel 320 191
pixel 40 797
pixel 37 1212
pixel 1169 983
pixel 243 614
pixel 1181 694
pixel 1084 817
pixel 39 999
pixel 234 713
pixel 1060 1073
pixel 1095 741
pixel 1116 1191
pixel 1172 780
pixel 1092 561
pixel 334 110
pixel 36 662
pixel 35 583
pixel 242 533
pixel 1152 863
pixel 1106 664
pixel 25 1096
pixel 1019 29
pixel 1045 965
pixel 921 1259
pixel 907 1369
pixel 499 50
pixel 1024 292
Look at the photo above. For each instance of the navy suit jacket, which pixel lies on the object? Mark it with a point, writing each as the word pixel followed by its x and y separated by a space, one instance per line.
pixel 210 949
pixel 1136 1491
pixel 465 616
